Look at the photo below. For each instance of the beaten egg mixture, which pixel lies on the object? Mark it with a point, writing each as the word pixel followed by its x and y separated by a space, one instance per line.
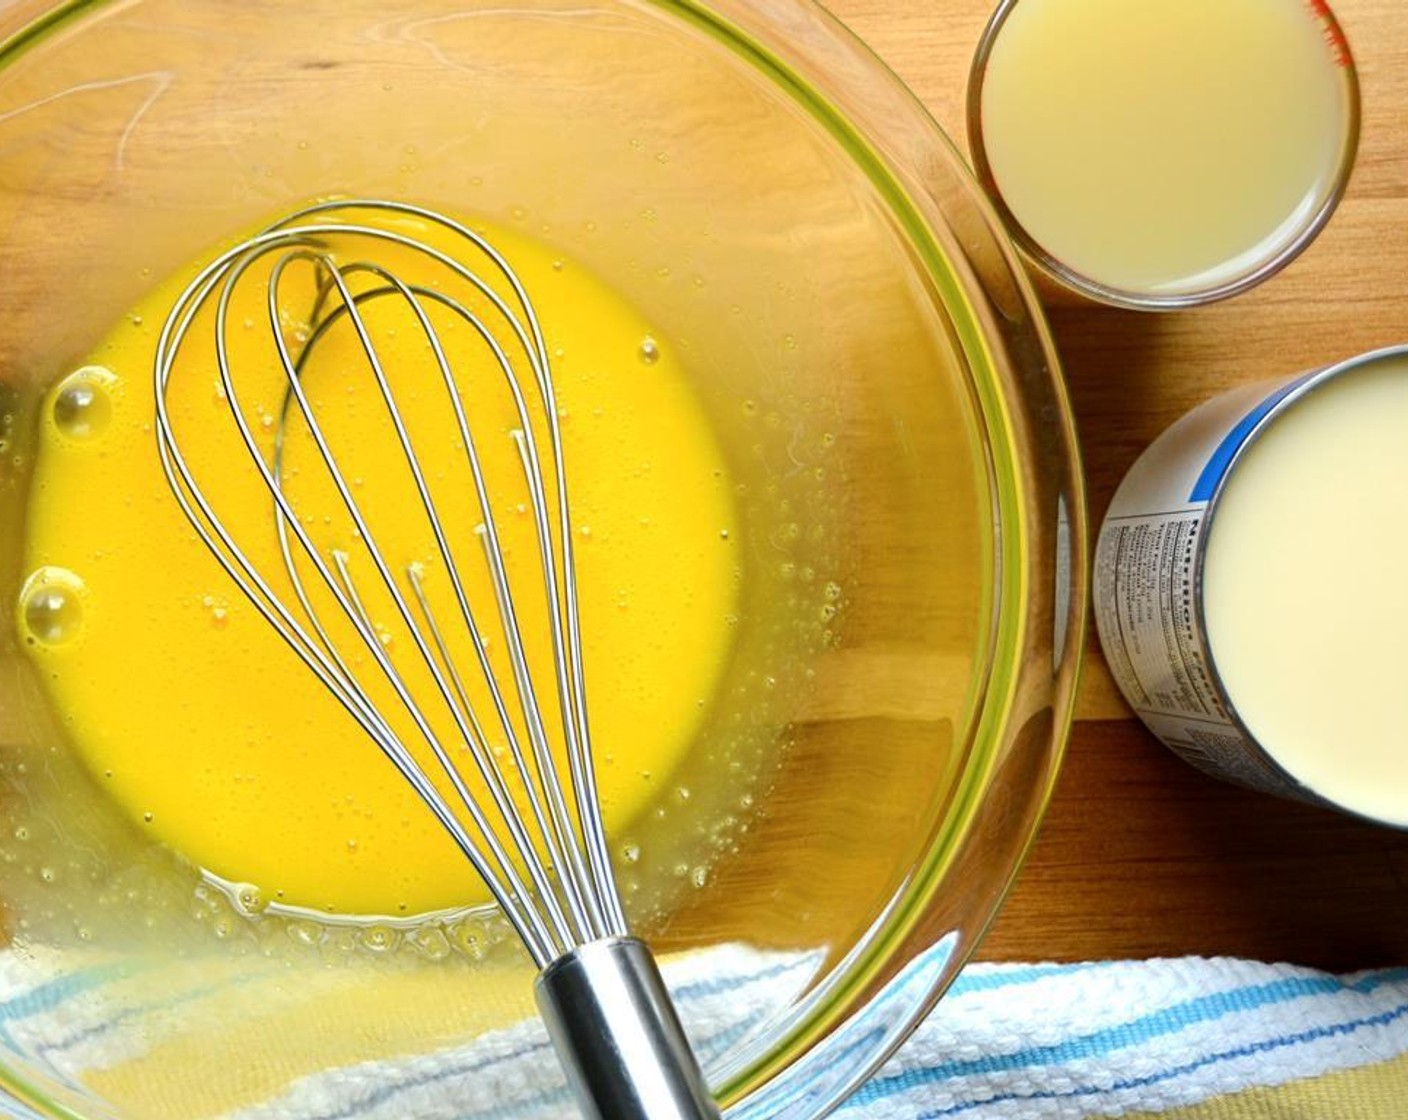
pixel 205 728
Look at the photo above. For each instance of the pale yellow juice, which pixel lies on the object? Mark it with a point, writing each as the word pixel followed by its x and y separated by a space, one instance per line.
pixel 1306 589
pixel 193 716
pixel 1166 147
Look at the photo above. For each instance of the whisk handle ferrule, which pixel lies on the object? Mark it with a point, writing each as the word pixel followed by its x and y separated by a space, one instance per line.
pixel 618 1037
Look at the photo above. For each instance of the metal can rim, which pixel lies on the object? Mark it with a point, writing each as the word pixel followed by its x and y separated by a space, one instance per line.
pixel 1297 394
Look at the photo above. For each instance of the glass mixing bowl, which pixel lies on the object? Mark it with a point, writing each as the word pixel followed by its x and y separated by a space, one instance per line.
pixel 877 372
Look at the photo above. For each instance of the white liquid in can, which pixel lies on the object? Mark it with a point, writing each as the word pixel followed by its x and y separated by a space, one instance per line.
pixel 1251 587
pixel 1305 589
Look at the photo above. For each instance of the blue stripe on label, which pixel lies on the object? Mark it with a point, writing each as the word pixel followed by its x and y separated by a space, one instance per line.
pixel 1226 451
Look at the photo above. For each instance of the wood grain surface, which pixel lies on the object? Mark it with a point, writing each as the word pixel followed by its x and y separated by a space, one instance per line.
pixel 1140 855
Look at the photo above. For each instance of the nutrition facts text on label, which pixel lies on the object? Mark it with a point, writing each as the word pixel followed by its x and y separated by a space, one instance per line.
pixel 1146 577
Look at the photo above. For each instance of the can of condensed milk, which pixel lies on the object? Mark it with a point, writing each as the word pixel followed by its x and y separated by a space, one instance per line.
pixel 1251 587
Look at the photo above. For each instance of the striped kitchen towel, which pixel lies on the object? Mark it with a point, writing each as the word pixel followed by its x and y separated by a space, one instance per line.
pixel 1186 1039
pixel 1189 1039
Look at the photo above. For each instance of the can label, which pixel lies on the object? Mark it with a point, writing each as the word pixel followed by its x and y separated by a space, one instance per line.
pixel 1148 580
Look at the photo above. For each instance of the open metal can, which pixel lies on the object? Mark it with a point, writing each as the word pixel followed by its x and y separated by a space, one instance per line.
pixel 1152 595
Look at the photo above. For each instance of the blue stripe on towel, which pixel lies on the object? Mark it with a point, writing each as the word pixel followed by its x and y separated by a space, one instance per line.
pixel 49 995
pixel 1007 976
pixel 91 1031
pixel 1170 1020
pixel 382 1093
pixel 1250 1050
pixel 717 986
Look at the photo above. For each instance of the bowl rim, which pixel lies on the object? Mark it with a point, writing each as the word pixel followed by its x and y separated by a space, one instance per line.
pixel 910 166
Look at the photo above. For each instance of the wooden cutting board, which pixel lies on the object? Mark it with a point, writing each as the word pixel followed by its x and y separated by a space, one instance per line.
pixel 1140 855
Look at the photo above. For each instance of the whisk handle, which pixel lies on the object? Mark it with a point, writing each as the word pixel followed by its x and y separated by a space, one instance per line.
pixel 618 1037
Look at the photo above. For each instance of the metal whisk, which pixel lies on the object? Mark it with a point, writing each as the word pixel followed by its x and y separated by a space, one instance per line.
pixel 535 835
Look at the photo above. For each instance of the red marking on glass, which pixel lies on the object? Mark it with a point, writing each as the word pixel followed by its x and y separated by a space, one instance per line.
pixel 1334 33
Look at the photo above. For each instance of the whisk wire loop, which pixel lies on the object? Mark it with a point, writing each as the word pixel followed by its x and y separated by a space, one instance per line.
pixel 559 848
pixel 524 921
pixel 547 936
pixel 540 849
pixel 572 689
pixel 591 913
pixel 567 652
pixel 479 737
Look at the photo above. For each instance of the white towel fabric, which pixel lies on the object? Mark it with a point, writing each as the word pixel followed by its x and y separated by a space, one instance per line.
pixel 1074 1041
pixel 1036 1042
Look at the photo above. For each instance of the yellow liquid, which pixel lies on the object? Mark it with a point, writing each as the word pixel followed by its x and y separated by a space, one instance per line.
pixel 1305 600
pixel 1164 147
pixel 201 723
